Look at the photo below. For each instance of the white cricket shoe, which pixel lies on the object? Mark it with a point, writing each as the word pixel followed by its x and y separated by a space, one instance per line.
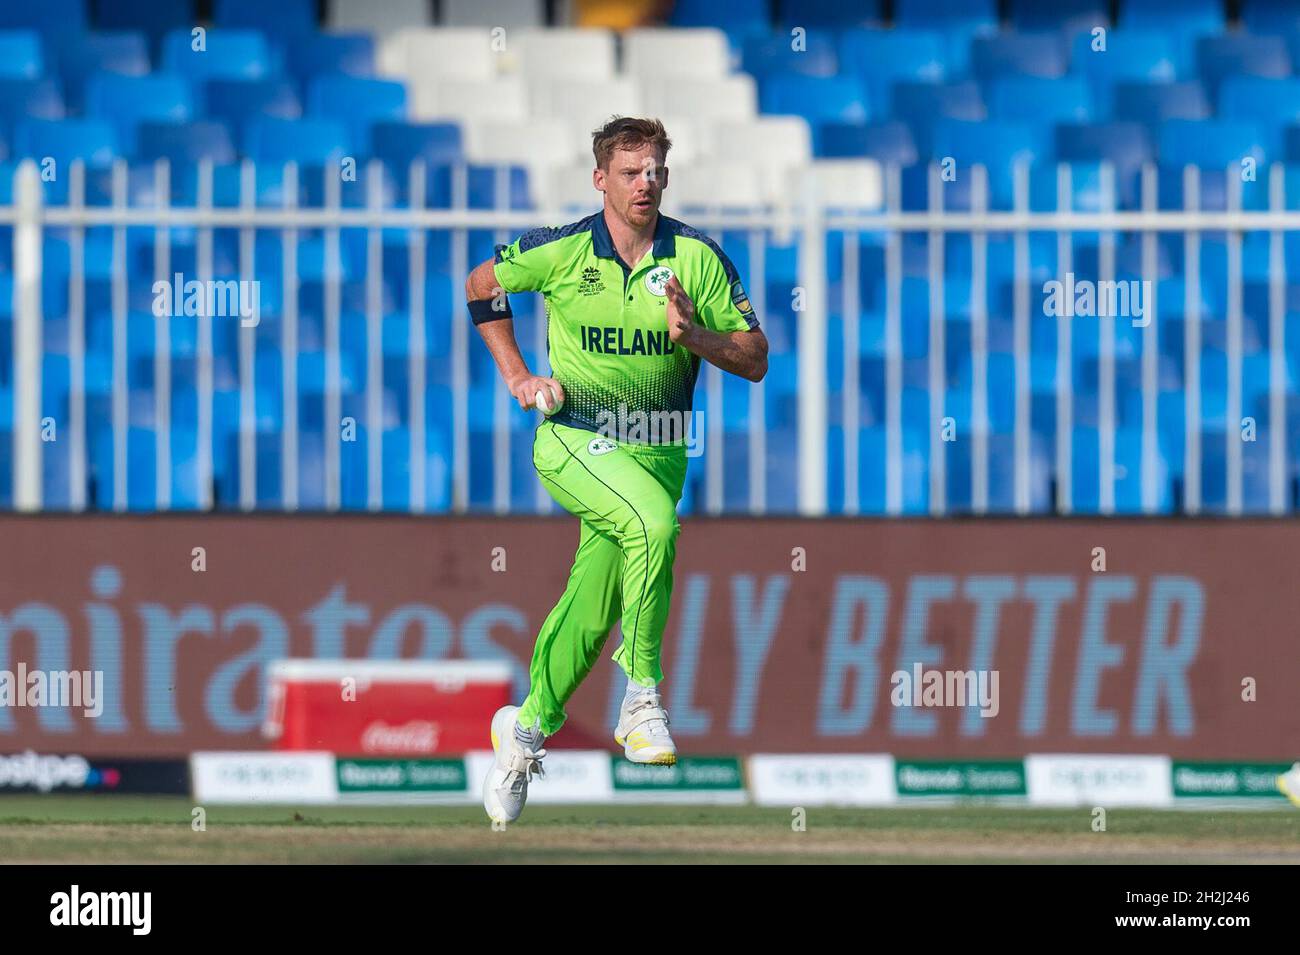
pixel 642 730
pixel 505 790
pixel 1289 784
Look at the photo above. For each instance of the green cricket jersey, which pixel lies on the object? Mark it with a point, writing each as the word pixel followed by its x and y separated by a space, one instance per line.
pixel 607 326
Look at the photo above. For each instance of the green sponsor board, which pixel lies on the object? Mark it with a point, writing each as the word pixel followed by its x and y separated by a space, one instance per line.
pixel 1220 780
pixel 690 772
pixel 401 775
pixel 943 778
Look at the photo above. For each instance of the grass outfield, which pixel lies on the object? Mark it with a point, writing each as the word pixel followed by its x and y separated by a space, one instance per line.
pixel 81 829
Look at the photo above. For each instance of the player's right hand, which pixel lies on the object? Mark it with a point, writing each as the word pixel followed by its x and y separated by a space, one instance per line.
pixel 525 389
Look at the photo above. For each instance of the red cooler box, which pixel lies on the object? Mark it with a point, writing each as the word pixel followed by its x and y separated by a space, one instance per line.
pixel 384 708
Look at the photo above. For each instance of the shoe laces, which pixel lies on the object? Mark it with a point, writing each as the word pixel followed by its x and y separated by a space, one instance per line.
pixel 525 763
pixel 656 725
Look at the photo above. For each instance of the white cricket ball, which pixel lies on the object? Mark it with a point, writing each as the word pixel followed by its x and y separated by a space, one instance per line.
pixel 543 402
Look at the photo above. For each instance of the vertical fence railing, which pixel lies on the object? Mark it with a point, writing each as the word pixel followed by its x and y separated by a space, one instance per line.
pixel 1021 340
pixel 30 216
pixel 247 344
pixel 77 467
pixel 1277 371
pixel 289 443
pixel 27 340
pixel 1106 350
pixel 417 361
pixel 1150 346
pixel 375 338
pixel 162 344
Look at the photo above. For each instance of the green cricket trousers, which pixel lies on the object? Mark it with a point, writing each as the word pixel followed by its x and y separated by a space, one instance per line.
pixel 626 496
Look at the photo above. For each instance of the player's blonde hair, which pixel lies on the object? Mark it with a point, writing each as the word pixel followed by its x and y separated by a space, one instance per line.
pixel 627 132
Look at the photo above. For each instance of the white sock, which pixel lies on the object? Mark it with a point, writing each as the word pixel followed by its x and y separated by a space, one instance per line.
pixel 635 690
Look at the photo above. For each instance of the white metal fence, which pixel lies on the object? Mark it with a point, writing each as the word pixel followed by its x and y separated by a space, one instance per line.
pixel 810 225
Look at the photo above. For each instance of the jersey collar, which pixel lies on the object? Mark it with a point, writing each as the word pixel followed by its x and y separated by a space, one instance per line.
pixel 602 243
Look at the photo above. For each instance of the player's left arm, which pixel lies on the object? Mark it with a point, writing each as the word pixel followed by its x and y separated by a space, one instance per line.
pixel 721 328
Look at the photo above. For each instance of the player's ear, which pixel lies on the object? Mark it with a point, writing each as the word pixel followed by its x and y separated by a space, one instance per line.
pixel 598 179
pixel 663 179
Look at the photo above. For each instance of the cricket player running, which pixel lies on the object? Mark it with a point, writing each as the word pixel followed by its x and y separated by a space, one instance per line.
pixel 633 300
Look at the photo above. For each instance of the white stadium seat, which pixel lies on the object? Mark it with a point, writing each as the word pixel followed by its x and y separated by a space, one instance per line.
pixel 728 97
pixel 367 16
pixel 569 190
pixel 771 144
pixel 420 55
pixel 508 14
pixel 585 103
pixel 584 54
pixel 687 142
pixel 698 53
pixel 838 183
pixel 712 185
pixel 499 99
pixel 539 145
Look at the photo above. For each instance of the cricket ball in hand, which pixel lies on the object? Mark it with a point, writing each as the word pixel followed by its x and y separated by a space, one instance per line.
pixel 544 402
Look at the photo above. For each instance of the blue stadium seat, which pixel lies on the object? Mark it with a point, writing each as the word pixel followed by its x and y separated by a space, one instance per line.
pixel 312 141
pixel 128 101
pixel 1029 99
pixel 1018 54
pixel 186 142
pixel 827 13
pixel 352 54
pixel 741 16
pixel 237 101
pixel 400 144
pixel 1209 143
pixel 1202 16
pixel 81 56
pixel 1218 57
pixel 151 17
pixel 920 105
pixel 1059 15
pixel 943 13
pixel 20 54
pixel 774 54
pixel 227 55
pixel 815 98
pixel 52 18
pixel 996 145
pixel 357 102
pixel 1154 103
pixel 1270 103
pixel 1270 16
pixel 885 57
pixel 23 98
pixel 290 20
pixel 1127 146
pixel 91 140
pixel 889 142
pixel 1128 56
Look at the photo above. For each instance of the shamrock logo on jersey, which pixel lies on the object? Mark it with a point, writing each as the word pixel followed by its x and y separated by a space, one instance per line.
pixel 656 280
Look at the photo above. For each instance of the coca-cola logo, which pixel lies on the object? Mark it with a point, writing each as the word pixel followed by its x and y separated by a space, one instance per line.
pixel 417 736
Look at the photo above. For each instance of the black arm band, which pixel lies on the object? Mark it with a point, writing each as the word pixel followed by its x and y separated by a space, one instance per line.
pixel 483 309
